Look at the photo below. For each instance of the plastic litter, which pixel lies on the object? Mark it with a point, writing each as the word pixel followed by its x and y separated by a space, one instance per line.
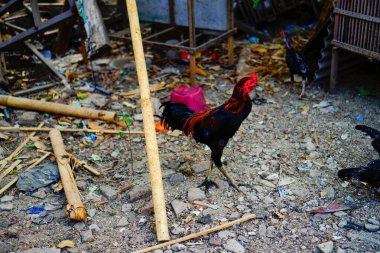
pixel 192 97
pixel 39 176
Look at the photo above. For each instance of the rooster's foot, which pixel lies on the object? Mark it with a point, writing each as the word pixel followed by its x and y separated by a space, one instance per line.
pixel 208 183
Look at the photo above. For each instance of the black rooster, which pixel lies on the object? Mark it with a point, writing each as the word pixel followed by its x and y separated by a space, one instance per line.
pixel 296 63
pixel 213 127
pixel 370 172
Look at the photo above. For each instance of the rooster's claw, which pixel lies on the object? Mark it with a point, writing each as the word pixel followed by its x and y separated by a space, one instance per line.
pixel 208 184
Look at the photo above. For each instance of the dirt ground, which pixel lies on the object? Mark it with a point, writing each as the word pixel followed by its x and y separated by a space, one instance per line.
pixel 285 158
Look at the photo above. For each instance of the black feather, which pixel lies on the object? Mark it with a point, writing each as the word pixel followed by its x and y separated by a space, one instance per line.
pixel 175 115
pixel 373 133
pixel 368 173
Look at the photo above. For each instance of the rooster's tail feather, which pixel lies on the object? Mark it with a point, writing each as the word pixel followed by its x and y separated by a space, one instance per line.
pixel 373 133
pixel 175 115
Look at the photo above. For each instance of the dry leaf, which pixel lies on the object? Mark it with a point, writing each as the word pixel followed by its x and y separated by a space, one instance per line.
pixel 66 244
pixel 40 145
pixel 94 125
pixel 279 215
pixel 259 49
pixel 129 105
pixel 3 136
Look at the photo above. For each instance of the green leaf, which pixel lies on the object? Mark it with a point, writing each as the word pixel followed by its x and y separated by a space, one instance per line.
pixel 127 121
pixel 31 146
pixel 121 133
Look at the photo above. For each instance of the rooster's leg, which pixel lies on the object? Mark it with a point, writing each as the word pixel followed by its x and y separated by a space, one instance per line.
pixel 302 95
pixel 231 181
pixel 208 182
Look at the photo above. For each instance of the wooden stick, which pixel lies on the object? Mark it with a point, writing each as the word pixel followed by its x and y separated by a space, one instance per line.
pixel 75 208
pixel 12 182
pixel 201 233
pixel 84 165
pixel 18 149
pixel 40 129
pixel 68 110
pixel 158 197
pixel 9 169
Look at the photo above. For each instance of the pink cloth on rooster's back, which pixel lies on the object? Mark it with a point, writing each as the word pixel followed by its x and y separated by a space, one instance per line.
pixel 192 97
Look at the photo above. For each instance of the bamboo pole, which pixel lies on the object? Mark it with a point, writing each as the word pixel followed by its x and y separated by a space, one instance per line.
pixel 18 149
pixel 201 233
pixel 85 165
pixel 75 208
pixel 68 110
pixel 40 129
pixel 158 197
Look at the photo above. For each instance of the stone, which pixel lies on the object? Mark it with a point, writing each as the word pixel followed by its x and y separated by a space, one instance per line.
pixel 342 223
pixel 42 250
pixel 310 146
pixel 79 226
pixel 374 221
pixel 340 250
pixel 147 209
pixel 234 246
pixel 91 212
pixel 6 207
pixel 178 231
pixel 87 236
pixel 7 198
pixel 139 193
pixel 262 230
pixel 108 192
pixel 40 194
pixel 28 118
pixel 93 227
pixel 138 117
pixel 123 222
pixel 82 185
pixel 178 247
pixel 39 176
pixel 215 241
pixel 180 207
pixel 340 214
pixel 126 208
pixel 201 166
pixel 371 227
pixel 195 194
pixel 326 247
pixel 268 200
pixel 98 99
pixel 177 178
pixel 225 234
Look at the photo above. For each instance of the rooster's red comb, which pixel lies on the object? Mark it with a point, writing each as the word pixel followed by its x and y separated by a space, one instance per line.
pixel 254 77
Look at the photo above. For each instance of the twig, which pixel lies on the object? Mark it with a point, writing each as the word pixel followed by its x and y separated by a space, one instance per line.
pixel 201 233
pixel 7 171
pixel 38 161
pixel 18 149
pixel 44 129
pixel 12 182
pixel 85 165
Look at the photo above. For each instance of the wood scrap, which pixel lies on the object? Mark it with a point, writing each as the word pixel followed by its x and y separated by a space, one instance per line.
pixel 85 165
pixel 199 234
pixel 75 208
pixel 40 129
pixel 41 106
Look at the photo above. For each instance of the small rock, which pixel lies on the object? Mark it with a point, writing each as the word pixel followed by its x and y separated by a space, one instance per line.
pixel 138 117
pixel 6 207
pixel 177 178
pixel 79 226
pixel 124 186
pixel 340 214
pixel 28 118
pixel 108 192
pixel 91 212
pixel 126 208
pixel 225 234
pixel 196 194
pixel 344 136
pixel 40 194
pixel 178 247
pixel 82 185
pixel 98 99
pixel 340 250
pixel 326 247
pixel 342 223
pixel 147 209
pixel 374 221
pixel 42 250
pixel 178 231
pixel 93 227
pixel 123 222
pixel 268 200
pixel 234 246
pixel 139 193
pixel 115 154
pixel 272 177
pixel 7 198
pixel 310 146
pixel 215 241
pixel 158 251
pixel 179 207
pixel 205 219
pixel 87 236
pixel 201 166
pixel 262 230
pixel 149 238
pixel 371 227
